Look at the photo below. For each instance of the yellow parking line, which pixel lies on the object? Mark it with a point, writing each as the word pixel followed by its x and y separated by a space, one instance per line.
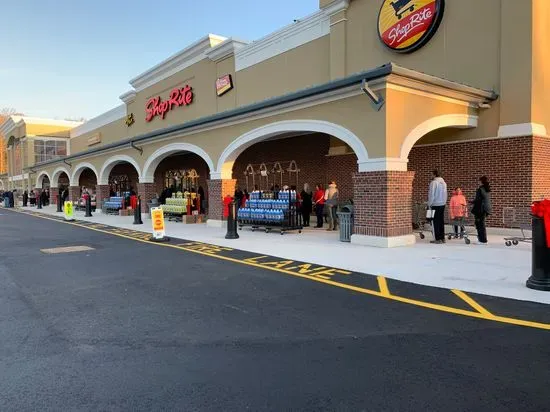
pixel 472 303
pixel 480 313
pixel 383 285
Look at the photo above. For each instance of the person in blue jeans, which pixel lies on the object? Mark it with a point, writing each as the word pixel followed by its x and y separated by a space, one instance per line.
pixel 437 199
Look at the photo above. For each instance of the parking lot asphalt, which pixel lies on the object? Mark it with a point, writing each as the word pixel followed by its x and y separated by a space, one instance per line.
pixel 130 325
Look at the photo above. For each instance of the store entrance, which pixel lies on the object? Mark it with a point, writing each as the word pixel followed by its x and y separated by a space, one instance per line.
pixel 301 180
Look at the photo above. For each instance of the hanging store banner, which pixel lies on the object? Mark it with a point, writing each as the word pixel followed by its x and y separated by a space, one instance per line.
pixel 405 26
pixel 68 210
pixel 224 84
pixel 157 218
pixel 178 97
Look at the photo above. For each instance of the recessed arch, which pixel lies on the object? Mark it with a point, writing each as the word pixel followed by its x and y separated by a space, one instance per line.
pixel 54 182
pixel 159 155
pixel 231 152
pixel 459 121
pixel 40 177
pixel 79 168
pixel 111 162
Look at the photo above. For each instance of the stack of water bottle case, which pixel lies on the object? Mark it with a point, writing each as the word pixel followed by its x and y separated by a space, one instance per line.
pixel 262 209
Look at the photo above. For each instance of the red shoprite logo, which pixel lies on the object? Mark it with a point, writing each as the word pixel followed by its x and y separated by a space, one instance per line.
pixel 178 97
pixel 406 25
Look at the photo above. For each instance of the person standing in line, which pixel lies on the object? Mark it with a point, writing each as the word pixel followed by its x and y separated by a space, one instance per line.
pixel 437 199
pixel 25 198
pixel 32 197
pixel 482 208
pixel 307 197
pixel 331 200
pixel 319 203
pixel 458 210
pixel 238 197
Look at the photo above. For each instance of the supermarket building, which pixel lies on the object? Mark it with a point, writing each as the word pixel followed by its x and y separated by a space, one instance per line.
pixel 370 93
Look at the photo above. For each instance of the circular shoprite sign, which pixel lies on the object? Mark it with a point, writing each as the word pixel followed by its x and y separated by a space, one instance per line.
pixel 406 25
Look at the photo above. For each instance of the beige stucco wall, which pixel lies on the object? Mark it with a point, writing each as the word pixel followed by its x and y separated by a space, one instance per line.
pixel 541 63
pixel 110 133
pixel 406 111
pixel 47 130
pixel 296 69
pixel 354 113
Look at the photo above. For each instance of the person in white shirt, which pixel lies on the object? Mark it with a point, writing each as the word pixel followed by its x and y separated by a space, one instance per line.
pixel 437 199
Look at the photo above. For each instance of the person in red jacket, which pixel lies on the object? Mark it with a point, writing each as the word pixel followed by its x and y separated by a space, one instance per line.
pixel 319 203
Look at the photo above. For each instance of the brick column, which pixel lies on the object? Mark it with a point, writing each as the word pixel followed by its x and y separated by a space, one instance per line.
pixel 383 208
pixel 147 191
pixel 217 190
pixel 54 194
pixel 74 193
pixel 101 194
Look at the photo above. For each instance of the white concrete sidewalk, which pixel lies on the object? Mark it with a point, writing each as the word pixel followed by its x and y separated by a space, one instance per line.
pixel 492 269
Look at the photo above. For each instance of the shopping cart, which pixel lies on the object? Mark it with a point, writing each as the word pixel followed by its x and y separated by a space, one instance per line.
pixel 463 221
pixel 510 220
pixel 401 7
pixel 420 221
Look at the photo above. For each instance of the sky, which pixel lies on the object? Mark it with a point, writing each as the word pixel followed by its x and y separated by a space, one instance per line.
pixel 73 59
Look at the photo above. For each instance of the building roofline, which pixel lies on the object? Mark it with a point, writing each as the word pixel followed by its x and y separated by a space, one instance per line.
pixel 369 75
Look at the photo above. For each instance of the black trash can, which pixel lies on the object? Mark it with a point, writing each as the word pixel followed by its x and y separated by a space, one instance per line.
pixel 540 269
pixel 345 220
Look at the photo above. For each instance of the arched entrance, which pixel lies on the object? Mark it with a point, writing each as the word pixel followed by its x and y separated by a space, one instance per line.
pixel 179 167
pixel 83 178
pixel 43 181
pixel 292 153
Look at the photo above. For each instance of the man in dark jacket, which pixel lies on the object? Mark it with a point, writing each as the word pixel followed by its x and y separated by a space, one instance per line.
pixel 482 207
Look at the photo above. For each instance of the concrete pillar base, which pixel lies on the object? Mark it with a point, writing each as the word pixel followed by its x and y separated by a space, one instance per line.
pixel 383 242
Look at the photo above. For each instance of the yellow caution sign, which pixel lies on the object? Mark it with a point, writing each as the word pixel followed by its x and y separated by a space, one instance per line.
pixel 157 218
pixel 68 209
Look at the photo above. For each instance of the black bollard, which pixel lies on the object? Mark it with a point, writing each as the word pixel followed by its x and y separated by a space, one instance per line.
pixel 137 213
pixel 88 207
pixel 59 203
pixel 232 222
pixel 540 269
pixel 39 201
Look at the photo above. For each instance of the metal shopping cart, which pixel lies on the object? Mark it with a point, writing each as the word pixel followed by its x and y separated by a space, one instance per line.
pixel 510 220
pixel 460 222
pixel 420 221
pixel 401 7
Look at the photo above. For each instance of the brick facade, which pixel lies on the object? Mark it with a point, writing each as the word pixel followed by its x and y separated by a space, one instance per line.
pixel 310 154
pixel 217 190
pixel 516 167
pixel 147 192
pixel 383 203
pixel 101 193
pixel 74 193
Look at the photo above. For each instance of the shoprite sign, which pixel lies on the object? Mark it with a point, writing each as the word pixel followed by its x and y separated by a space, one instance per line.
pixel 178 97
pixel 406 25
pixel 157 219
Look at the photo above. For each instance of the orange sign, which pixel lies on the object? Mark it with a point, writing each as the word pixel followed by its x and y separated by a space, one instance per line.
pixel 157 218
pixel 406 25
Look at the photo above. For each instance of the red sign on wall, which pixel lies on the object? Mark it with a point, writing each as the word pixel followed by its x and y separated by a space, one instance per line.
pixel 178 97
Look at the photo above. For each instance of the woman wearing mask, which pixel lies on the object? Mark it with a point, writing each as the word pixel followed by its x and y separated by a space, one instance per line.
pixel 307 197
pixel 482 208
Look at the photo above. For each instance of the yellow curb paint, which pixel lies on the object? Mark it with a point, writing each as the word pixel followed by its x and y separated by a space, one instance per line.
pixel 251 262
pixel 472 303
pixel 383 285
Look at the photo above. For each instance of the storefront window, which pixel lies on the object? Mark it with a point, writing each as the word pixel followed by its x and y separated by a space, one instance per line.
pixel 45 150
